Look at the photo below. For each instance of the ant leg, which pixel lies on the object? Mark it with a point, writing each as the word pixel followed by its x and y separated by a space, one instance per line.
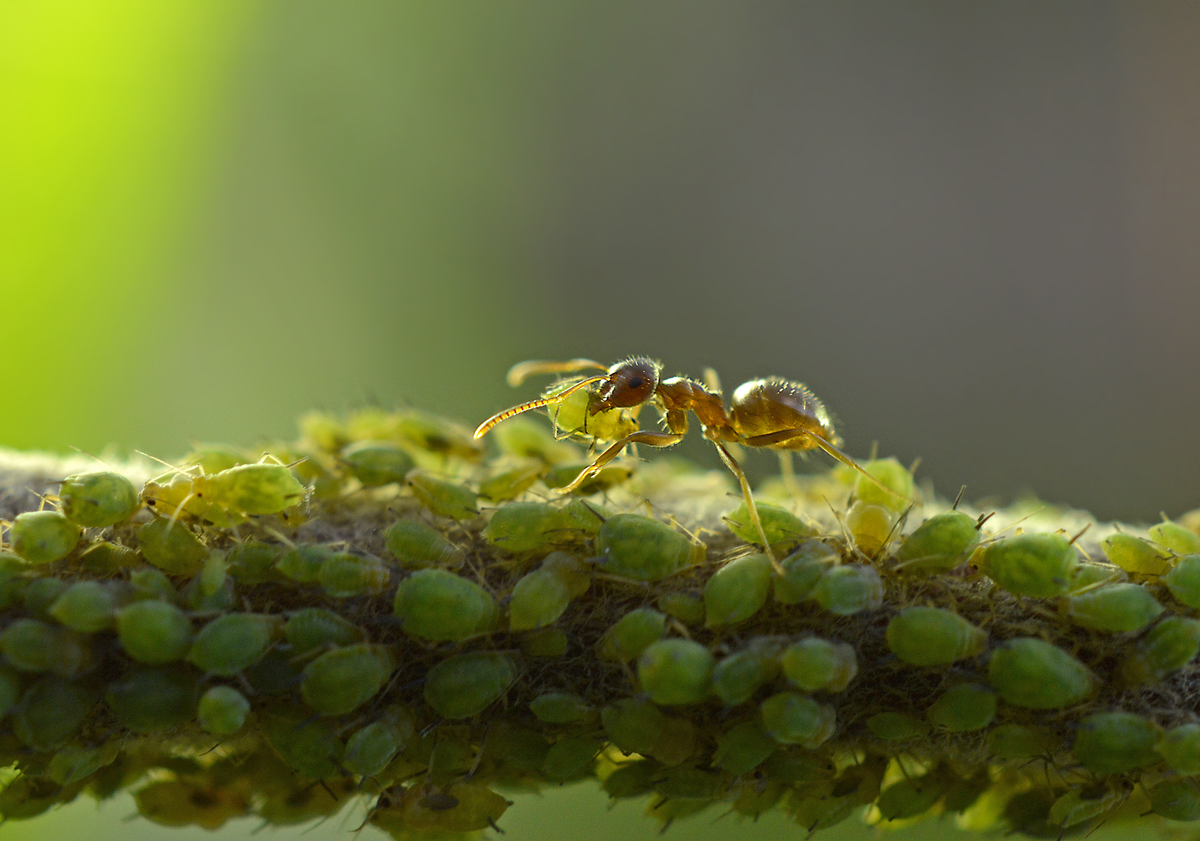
pixel 772 439
pixel 751 508
pixel 652 439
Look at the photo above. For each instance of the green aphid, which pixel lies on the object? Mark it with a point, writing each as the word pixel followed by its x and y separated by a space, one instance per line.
pixel 41 593
pixel 814 664
pixel 677 742
pixel 231 643
pixel 51 712
pixel 377 463
pixel 150 700
pixel 782 528
pixel 433 434
pixel 252 490
pixel 560 707
pixel 634 726
pixel 10 688
pixel 28 796
pixel 1088 574
pixel 546 642
pixel 312 748
pixel 31 645
pixel 151 583
pixel 1169 645
pixel 439 606
pixel 510 484
pixel 686 783
pixel 909 798
pixel 939 544
pixel 416 545
pixel 1135 554
pixel 253 562
pixel 892 475
pixel 171 547
pixel 211 589
pixel 42 537
pixel 539 598
pixel 738 676
pixel 802 569
pixel 99 499
pixel 896 727
pixel 523 527
pixel 1033 673
pixel 1176 799
pixel 344 679
pixel 105 558
pixel 965 707
pixel 1020 741
pixel 1180 540
pixel 676 671
pixel 344 574
pixel 303 563
pixel 466 684
pixel 154 632
pixel 642 548
pixel 372 747
pixel 1184 581
pixel 1037 565
pixel 222 710
pixel 871 527
pixel 632 779
pixel 584 518
pixel 1116 742
pixel 737 591
pixel 74 763
pixel 278 672
pixel 1180 747
pixel 631 634
pixel 794 719
pixel 522 437
pixel 755 798
pixel 315 627
pixel 932 636
pixel 442 498
pixel 85 606
pixel 1080 805
pixel 571 758
pixel 848 589
pixel 688 608
pixel 1114 608
pixel 743 748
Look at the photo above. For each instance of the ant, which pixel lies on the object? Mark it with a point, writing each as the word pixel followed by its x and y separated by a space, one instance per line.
pixel 773 412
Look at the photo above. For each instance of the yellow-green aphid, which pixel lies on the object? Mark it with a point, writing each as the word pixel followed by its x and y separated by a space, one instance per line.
pixel 442 498
pixel 1184 581
pixel 250 489
pixel 344 574
pixel 1180 747
pixel 372 747
pixel 1088 574
pixel 73 763
pixel 466 684
pixel 190 803
pixel 511 483
pixel 105 558
pixel 1033 673
pixel 939 544
pixel 154 632
pixel 1084 804
pixel 1020 741
pixel 31 645
pixel 631 634
pixel 171 547
pixel 253 562
pixel 802 569
pixel 848 589
pixel 677 743
pixel 310 747
pixel 344 679
pixel 633 546
pixel 523 437
pixel 41 537
pixel 435 435
pixel 794 719
pixel 783 529
pixel 896 727
pixel 1169 645
pixel 222 710
pixel 1176 799
pixel 676 671
pixel 323 431
pixel 871 527
pixel 522 527
pixel 440 606
pixel 737 591
pixel 743 748
pixel 86 606
pixel 315 627
pixel 98 499
pixel 932 636
pixel 151 583
pixel 967 706
pixel 857 786
pixel 231 643
pixel 814 664
pixel 892 475
pixel 51 712
pixel 1038 565
pixel 150 700
pixel 572 417
pixel 377 463
pixel 571 758
pixel 416 545
pixel 1116 742
pixel 687 607
pixel 559 707
pixel 1135 554
pixel 1113 607
pixel 303 563
pixel 542 595
pixel 910 797
pixel 738 676
pixel 1180 540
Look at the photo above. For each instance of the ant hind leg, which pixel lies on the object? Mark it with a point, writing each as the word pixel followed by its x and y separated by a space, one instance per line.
pixel 751 508
pixel 651 439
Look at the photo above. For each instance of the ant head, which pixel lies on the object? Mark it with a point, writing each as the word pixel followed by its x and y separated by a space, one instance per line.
pixel 628 383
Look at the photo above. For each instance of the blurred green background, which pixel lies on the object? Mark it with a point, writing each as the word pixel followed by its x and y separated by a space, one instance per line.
pixel 969 227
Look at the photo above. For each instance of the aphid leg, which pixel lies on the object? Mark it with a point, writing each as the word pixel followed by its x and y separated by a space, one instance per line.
pixel 751 508
pixel 522 371
pixel 652 439
pixel 533 404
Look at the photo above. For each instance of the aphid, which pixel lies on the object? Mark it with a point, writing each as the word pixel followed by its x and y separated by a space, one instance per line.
pixel 227 497
pixel 416 545
pixel 41 593
pixel 222 710
pixel 685 783
pixel 1116 742
pixel 303 563
pixel 150 700
pixel 1176 799
pixel 571 757
pixel 802 570
pixel 886 482
pixel 931 636
pixel 171 547
pixel 910 797
pixel 377 463
pixel 182 803
pixel 794 719
pixel 526 439
pixel 41 537
pixel 848 589
pixel 443 499
pixel 633 546
pixel 939 544
pixel 737 591
pixel 896 727
pixel 967 706
pixel 1113 607
pixel 1038 565
pixel 559 707
pixel 813 664
pixel 1180 747
pixel 73 763
pixel 1135 554
pixel 85 606
pixel 524 527
pixel 510 484
pixel 632 779
pixel 1033 673
pixel 738 676
pixel 211 590
pixel 344 574
pixel 687 607
pixel 1084 804
pixel 311 747
pixel 676 671
pixel 870 526
pixel 51 711
pixel 231 643
pixel 1020 741
pixel 437 605
pixel 464 685
pixel 1184 581
pixel 743 748
pixel 560 478
pixel 98 499
pixel 31 645
pixel 154 632
pixel 1180 540
pixel 371 748
pixel 253 562
pixel 771 413
pixel 541 596
pixel 463 806
pixel 631 634
pixel 105 558
pixel 315 627
pixel 344 679
pixel 780 526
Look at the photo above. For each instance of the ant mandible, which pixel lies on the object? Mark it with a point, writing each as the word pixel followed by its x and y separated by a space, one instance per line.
pixel 773 412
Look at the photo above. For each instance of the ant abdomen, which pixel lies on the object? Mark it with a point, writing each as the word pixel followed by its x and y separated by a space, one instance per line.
pixel 768 409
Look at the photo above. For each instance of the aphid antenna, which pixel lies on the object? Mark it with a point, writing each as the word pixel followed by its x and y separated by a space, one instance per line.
pixel 91 456
pixel 958 498
pixel 1081 533
pixel 983 518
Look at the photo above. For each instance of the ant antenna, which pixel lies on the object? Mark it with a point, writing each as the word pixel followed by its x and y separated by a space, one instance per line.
pixel 533 404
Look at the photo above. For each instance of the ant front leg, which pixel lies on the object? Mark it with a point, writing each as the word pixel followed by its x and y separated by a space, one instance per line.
pixel 650 439
pixel 751 508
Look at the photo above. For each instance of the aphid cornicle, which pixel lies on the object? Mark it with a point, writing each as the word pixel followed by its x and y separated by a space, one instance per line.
pixel 773 412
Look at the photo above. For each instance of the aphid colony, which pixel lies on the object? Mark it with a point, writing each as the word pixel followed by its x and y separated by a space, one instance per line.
pixel 382 614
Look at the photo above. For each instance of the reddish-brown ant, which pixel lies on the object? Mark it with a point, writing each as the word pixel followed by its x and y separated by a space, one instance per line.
pixel 774 412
